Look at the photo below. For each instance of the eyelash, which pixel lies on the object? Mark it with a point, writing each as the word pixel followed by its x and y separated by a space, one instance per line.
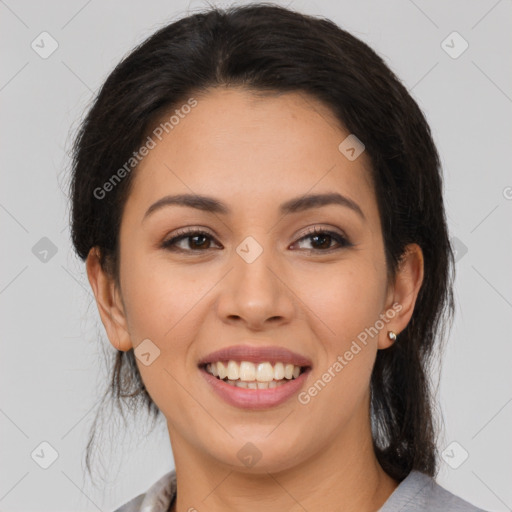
pixel 340 239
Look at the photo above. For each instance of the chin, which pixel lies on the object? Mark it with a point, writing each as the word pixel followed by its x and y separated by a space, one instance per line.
pixel 257 454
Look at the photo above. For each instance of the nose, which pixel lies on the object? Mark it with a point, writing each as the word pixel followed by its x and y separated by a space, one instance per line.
pixel 255 294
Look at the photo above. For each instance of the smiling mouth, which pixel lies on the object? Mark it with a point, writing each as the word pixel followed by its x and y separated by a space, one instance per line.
pixel 249 375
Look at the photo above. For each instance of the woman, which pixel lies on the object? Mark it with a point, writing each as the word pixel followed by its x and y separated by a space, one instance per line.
pixel 258 201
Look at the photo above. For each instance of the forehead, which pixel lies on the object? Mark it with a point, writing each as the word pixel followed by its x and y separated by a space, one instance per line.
pixel 236 143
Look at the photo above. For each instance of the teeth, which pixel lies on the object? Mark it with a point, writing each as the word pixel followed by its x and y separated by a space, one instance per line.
pixel 221 370
pixel 247 371
pixel 255 385
pixel 265 372
pixel 253 376
pixel 233 373
pixel 279 371
pixel 288 371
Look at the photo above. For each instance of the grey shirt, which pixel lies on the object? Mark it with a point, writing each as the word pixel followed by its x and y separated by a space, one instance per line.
pixel 416 493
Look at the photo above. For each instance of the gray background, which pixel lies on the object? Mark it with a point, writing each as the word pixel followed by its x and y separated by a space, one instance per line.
pixel 52 368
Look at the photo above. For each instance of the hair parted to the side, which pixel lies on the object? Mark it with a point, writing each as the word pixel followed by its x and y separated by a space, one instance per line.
pixel 270 49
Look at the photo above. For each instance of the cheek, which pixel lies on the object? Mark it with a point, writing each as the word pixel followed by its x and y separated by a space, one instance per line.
pixel 346 298
pixel 346 305
pixel 157 296
pixel 162 306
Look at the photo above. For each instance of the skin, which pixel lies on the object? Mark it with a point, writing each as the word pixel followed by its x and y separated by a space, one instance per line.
pixel 254 153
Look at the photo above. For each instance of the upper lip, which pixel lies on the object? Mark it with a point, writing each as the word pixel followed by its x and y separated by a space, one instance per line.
pixel 256 354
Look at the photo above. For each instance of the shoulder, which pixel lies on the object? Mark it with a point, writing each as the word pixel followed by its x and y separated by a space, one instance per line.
pixel 419 492
pixel 134 505
pixel 156 499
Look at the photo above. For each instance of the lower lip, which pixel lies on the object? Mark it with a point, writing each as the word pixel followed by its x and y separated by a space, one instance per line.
pixel 255 398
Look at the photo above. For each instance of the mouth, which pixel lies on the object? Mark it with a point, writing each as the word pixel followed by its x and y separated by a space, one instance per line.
pixel 255 376
pixel 249 375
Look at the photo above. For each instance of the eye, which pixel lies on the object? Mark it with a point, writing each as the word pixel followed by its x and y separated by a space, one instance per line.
pixel 192 240
pixel 322 240
pixel 200 241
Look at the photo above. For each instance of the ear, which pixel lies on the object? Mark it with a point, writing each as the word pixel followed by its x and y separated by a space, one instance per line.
pixel 109 302
pixel 402 294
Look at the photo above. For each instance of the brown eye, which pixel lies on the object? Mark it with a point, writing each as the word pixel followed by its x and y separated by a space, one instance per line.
pixel 190 241
pixel 198 241
pixel 322 240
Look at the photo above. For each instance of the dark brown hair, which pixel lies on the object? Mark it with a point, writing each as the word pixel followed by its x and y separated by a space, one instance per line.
pixel 271 49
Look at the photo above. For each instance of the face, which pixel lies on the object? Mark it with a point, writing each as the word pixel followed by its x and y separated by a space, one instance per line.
pixel 268 271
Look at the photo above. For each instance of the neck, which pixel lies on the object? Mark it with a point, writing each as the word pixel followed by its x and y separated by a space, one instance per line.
pixel 345 476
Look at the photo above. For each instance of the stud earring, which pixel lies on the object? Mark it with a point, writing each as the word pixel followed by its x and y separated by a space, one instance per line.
pixel 391 335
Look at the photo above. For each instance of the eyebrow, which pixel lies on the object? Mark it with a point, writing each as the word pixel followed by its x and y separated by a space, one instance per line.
pixel 298 204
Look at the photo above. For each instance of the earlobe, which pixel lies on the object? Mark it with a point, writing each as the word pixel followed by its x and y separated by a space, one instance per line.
pixel 109 302
pixel 403 294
